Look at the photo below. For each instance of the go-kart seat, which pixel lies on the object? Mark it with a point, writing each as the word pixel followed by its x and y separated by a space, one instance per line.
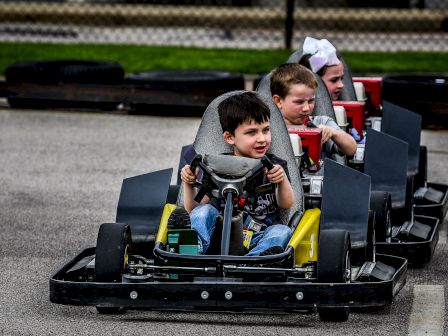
pixel 209 139
pixel 348 91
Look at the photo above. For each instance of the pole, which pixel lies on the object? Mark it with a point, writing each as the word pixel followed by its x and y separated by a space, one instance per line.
pixel 289 23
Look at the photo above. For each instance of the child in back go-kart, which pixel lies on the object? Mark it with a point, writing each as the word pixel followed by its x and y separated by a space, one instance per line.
pixel 293 90
pixel 244 119
pixel 320 57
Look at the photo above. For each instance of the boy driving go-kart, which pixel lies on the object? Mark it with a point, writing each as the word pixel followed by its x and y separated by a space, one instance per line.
pixel 244 119
pixel 142 262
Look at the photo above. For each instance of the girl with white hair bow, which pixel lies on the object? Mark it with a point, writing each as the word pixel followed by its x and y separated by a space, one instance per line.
pixel 320 56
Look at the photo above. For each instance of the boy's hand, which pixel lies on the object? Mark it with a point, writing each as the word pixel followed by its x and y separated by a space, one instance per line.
pixel 327 132
pixel 187 175
pixel 276 174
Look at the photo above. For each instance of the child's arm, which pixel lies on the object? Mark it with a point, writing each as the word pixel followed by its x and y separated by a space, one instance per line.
pixel 284 192
pixel 342 139
pixel 188 180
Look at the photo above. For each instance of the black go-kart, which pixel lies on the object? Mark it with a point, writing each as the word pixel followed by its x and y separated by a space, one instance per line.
pixel 369 110
pixel 407 224
pixel 149 260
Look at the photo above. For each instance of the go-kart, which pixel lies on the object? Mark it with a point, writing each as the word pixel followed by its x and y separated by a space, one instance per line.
pixel 330 263
pixel 431 199
pixel 398 230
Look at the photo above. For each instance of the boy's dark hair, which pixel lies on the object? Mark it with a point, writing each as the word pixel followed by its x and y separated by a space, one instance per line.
pixel 286 75
pixel 240 108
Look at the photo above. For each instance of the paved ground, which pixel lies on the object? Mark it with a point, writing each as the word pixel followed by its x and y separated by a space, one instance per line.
pixel 60 175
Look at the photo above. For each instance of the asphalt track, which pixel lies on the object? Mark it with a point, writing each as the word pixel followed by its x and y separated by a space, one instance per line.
pixel 60 177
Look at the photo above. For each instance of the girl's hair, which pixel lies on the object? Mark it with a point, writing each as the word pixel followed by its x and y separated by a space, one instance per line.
pixel 286 75
pixel 241 108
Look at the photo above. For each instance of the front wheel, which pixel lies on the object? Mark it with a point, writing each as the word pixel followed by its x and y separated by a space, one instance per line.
pixel 111 257
pixel 333 266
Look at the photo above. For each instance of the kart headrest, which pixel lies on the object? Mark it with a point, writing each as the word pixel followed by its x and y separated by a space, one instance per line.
pixel 230 165
pixel 323 105
pixel 405 125
pixel 295 56
pixel 209 139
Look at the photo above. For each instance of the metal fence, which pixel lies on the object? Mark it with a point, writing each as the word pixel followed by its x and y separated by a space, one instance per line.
pixel 388 25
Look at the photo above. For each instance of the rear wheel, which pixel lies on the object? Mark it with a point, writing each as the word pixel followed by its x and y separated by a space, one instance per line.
pixel 381 203
pixel 334 267
pixel 111 256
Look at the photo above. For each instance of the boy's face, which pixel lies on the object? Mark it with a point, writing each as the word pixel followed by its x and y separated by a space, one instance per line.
pixel 332 78
pixel 250 139
pixel 298 104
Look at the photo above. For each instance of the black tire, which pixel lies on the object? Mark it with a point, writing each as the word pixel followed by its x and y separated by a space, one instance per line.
pixel 44 104
pixel 65 71
pixel 188 80
pixel 112 247
pixel 421 178
pixel 381 204
pixel 333 266
pixel 202 87
pixel 371 237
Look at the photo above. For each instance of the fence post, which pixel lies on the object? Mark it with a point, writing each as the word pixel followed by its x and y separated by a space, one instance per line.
pixel 289 23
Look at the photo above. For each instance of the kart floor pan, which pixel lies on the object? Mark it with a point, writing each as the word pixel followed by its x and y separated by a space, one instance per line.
pixel 224 293
pixel 417 253
pixel 437 210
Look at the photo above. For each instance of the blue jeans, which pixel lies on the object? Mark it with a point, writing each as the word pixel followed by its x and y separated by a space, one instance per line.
pixel 274 235
pixel 203 220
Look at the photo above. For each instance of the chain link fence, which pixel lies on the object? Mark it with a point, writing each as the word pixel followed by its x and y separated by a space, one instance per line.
pixel 352 25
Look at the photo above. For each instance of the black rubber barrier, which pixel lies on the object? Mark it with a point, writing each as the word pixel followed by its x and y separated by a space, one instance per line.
pixel 60 72
pixel 423 94
pixel 202 85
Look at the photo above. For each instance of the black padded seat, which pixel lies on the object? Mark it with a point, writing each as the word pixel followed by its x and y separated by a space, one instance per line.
pixel 348 91
pixel 209 140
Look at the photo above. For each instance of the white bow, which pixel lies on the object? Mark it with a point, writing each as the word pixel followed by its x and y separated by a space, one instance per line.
pixel 322 51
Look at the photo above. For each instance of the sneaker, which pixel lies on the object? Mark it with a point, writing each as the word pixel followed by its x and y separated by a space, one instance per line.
pixel 272 250
pixel 288 262
pixel 179 219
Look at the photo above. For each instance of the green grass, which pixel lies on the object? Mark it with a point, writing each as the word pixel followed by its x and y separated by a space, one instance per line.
pixel 141 58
